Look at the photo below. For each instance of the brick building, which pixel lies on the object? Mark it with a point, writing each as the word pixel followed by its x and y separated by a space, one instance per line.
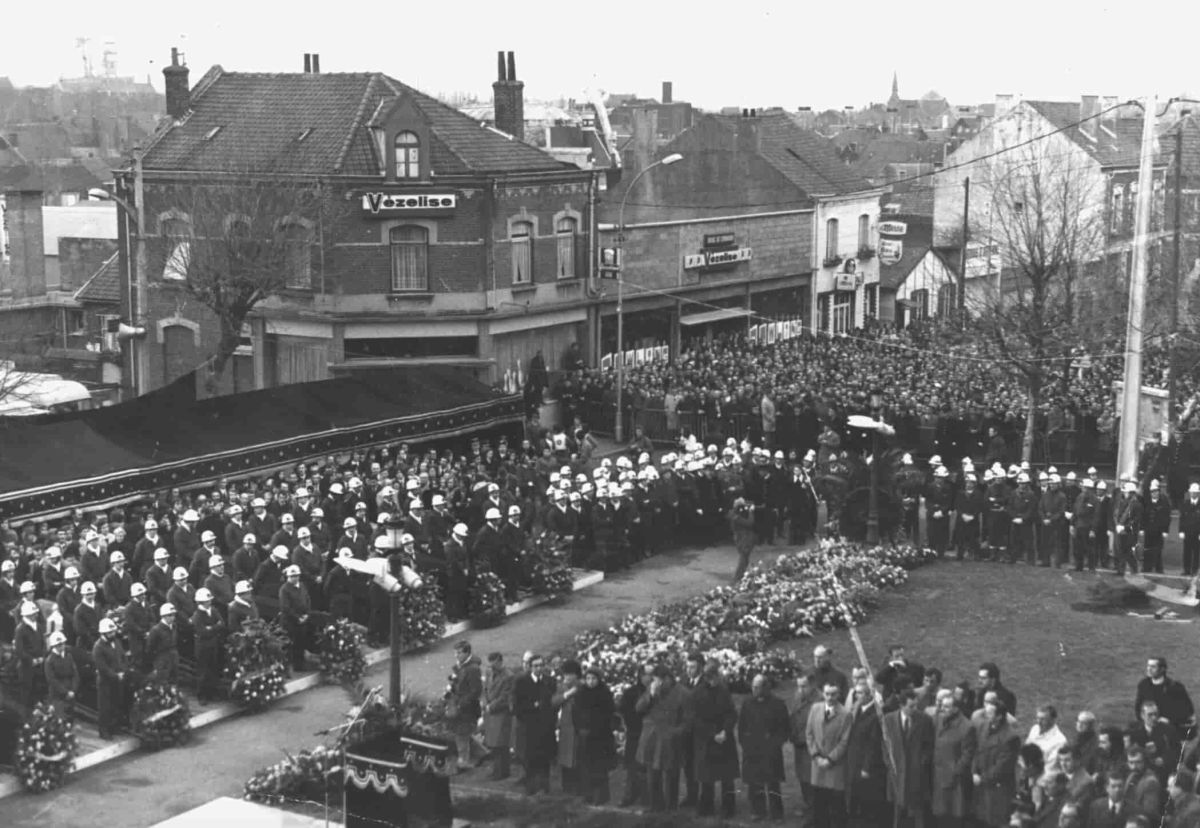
pixel 459 244
pixel 739 230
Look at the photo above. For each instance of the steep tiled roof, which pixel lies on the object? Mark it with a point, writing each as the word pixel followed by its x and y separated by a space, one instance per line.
pixel 103 287
pixel 253 120
pixel 1118 141
pixel 808 160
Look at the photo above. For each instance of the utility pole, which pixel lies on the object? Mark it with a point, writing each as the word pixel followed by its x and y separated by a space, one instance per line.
pixel 1176 275
pixel 1127 450
pixel 962 259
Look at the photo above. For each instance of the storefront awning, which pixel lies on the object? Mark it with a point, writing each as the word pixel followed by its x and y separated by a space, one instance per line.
pixel 718 315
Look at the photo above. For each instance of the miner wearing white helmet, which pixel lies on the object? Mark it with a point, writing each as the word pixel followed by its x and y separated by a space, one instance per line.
pixel 208 631
pixel 86 617
pixel 1128 521
pixel 112 668
pixel 52 571
pixel 143 551
pixel 358 542
pixel 970 504
pixel 939 503
pixel 158 576
pixel 219 582
pixel 1156 521
pixel 295 610
pixel 457 556
pixel 1022 509
pixel 187 537
pixel 29 651
pixel 242 608
pixel 1051 521
pixel 116 583
pixel 62 677
pixel 139 620
pixel 67 600
pixel 162 651
pixel 1189 529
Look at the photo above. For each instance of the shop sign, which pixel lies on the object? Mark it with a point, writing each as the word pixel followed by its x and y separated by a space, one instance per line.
pixel 893 228
pixel 890 251
pixel 844 282
pixel 390 204
pixel 719 240
pixel 716 258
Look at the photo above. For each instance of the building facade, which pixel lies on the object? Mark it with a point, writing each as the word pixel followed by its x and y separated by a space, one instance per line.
pixel 454 243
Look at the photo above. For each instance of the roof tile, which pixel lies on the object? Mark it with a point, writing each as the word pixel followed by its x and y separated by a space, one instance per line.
pixel 103 286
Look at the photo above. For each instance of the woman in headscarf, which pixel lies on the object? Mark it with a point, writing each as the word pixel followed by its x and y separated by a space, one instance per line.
pixel 593 717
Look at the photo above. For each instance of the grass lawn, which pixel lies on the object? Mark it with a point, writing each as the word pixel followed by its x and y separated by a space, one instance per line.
pixel 953 616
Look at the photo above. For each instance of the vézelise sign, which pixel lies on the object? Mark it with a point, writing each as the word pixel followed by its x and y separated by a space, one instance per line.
pixel 376 203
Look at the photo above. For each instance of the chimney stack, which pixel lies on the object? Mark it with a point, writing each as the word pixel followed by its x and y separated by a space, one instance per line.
pixel 307 63
pixel 26 244
pixel 316 64
pixel 667 93
pixel 508 99
pixel 175 76
pixel 500 73
pixel 1089 108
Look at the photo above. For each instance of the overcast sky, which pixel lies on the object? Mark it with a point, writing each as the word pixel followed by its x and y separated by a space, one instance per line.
pixel 742 53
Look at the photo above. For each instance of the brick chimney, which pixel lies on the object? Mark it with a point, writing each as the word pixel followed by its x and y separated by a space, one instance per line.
pixel 179 96
pixel 508 98
pixel 26 246
pixel 749 140
pixel 667 93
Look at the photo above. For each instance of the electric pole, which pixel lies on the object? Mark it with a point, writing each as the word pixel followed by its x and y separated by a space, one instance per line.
pixel 962 259
pixel 1127 450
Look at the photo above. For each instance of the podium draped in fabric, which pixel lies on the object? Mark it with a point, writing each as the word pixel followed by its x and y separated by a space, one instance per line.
pixel 399 781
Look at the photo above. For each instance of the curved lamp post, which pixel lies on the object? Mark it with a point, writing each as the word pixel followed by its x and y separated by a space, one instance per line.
pixel 619 428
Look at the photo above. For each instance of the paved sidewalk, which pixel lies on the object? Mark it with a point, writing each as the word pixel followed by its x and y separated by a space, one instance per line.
pixel 145 788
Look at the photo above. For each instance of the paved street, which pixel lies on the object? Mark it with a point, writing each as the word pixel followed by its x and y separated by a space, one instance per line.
pixel 146 788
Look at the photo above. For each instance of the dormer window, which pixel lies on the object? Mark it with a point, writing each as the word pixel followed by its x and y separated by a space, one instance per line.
pixel 408 155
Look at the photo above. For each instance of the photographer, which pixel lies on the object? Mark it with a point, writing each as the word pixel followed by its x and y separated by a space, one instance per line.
pixel 741 522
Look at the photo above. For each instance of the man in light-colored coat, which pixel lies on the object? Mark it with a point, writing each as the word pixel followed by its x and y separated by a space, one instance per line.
pixel 498 714
pixel 827 735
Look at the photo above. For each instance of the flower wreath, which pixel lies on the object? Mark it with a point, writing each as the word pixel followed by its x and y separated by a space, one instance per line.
pixel 256 664
pixel 46 749
pixel 485 598
pixel 422 616
pixel 341 654
pixel 551 570
pixel 160 716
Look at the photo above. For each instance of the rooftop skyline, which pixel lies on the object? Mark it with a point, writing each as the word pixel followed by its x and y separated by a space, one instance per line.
pixel 753 54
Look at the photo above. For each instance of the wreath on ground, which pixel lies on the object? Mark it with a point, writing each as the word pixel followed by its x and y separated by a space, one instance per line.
pixel 256 664
pixel 485 598
pixel 160 716
pixel 306 776
pixel 341 653
pixel 422 616
pixel 46 749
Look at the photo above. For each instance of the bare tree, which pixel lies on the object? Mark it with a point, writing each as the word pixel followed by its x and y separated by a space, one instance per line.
pixel 23 344
pixel 233 240
pixel 1045 217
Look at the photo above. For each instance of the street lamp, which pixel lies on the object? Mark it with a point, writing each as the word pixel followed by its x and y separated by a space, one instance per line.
pixel 133 270
pixel 877 427
pixel 619 428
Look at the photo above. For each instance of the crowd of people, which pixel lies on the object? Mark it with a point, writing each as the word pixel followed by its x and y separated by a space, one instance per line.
pixel 931 375
pixel 99 601
pixel 904 746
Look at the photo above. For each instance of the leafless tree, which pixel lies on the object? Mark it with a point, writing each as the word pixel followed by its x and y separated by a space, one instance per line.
pixel 1044 214
pixel 235 239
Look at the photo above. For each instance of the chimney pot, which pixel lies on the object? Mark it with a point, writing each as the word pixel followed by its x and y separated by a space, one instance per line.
pixel 667 92
pixel 307 63
pixel 175 79
pixel 316 63
pixel 500 67
pixel 508 99
pixel 512 67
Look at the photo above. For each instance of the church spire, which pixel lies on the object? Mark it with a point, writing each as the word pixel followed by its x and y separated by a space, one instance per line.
pixel 895 85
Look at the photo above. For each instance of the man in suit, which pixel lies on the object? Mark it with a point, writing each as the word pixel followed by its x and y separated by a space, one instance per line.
pixel 1158 741
pixel 497 703
pixel 112 666
pixel 209 631
pixel 532 694
pixel 1174 704
pixel 908 740
pixel 1054 799
pixel 1143 791
pixel 827 736
pixel 1110 810
pixel 1189 529
pixel 664 714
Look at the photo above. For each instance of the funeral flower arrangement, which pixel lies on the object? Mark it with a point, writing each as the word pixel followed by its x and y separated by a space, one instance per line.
pixel 341 653
pixel 46 748
pixel 160 716
pixel 550 567
pixel 793 596
pixel 422 616
pixel 256 664
pixel 485 597
pixel 305 776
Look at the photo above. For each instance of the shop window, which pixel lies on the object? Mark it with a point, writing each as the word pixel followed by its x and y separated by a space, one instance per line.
pixel 565 231
pixel 408 155
pixel 842 312
pixel 410 258
pixel 522 253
